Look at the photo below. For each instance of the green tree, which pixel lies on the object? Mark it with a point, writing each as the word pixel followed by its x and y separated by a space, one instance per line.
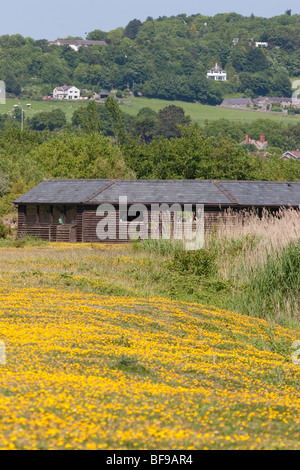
pixel 255 60
pixel 117 119
pixel 88 156
pixel 87 117
pixel 15 148
pixel 12 83
pixel 51 120
pixel 169 119
pixel 115 35
pixel 17 114
pixel 97 35
pixel 132 29
pixel 4 183
pixel 221 128
pixel 281 86
pixel 191 156
pixel 144 126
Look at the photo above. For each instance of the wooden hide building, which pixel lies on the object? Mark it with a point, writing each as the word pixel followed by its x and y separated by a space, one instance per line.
pixel 66 210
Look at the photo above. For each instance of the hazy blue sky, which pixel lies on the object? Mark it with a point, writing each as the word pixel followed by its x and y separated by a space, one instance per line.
pixel 60 18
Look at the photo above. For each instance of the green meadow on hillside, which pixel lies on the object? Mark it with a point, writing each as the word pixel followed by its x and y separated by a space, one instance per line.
pixel 198 112
pixel 40 106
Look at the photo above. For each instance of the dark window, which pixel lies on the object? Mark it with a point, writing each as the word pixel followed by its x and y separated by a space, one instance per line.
pixel 71 214
pixel 138 217
pixel 58 215
pixel 44 213
pixel 31 214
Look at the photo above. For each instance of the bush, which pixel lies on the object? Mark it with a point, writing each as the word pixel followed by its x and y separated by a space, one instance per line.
pixel 198 262
pixel 163 247
pixel 55 119
pixel 21 242
pixel 3 231
pixel 28 240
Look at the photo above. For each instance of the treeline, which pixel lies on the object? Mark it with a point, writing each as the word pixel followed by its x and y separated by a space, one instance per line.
pixel 105 143
pixel 148 125
pixel 164 58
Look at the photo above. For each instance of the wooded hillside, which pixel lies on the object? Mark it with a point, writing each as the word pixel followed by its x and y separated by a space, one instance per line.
pixel 164 58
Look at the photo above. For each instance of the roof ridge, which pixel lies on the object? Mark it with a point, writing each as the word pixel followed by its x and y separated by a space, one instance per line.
pixel 225 192
pixel 99 191
pixel 197 180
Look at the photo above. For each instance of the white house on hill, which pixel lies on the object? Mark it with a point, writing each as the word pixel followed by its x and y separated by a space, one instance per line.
pixel 66 92
pixel 216 73
pixel 76 43
pixel 261 44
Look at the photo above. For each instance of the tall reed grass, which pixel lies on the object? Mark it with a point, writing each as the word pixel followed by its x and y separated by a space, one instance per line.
pixel 261 255
pixel 258 255
pixel 244 240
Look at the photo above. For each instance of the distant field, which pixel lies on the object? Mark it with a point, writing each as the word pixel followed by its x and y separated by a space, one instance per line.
pixel 198 112
pixel 39 106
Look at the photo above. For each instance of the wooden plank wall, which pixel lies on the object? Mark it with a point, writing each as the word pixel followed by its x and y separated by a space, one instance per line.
pixel 79 233
pixel 212 217
pixel 66 233
pixel 38 231
pixel 51 232
pixel 21 221
pixel 87 221
pixel 90 220
pixel 41 230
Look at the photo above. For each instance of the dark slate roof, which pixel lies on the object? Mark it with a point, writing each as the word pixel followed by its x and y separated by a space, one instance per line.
pixel 288 100
pixel 235 101
pixel 62 191
pixel 214 192
pixel 261 193
pixel 272 99
pixel 168 191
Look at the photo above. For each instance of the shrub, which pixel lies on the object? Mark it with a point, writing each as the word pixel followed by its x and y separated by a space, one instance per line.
pixel 163 247
pixel 198 262
pixel 3 230
pixel 21 242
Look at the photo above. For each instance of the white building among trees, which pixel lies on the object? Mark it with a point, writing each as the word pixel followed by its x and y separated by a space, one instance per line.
pixel 66 92
pixel 216 73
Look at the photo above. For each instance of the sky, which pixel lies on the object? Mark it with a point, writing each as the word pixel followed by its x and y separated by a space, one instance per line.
pixel 61 18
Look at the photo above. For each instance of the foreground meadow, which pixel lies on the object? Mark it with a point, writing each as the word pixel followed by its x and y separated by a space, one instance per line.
pixel 90 364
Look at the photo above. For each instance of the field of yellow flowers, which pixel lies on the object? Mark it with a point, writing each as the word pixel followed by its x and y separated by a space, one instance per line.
pixel 86 370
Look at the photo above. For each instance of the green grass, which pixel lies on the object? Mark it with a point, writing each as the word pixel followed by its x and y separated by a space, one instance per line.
pixel 200 113
pixel 158 268
pixel 12 242
pixel 40 106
